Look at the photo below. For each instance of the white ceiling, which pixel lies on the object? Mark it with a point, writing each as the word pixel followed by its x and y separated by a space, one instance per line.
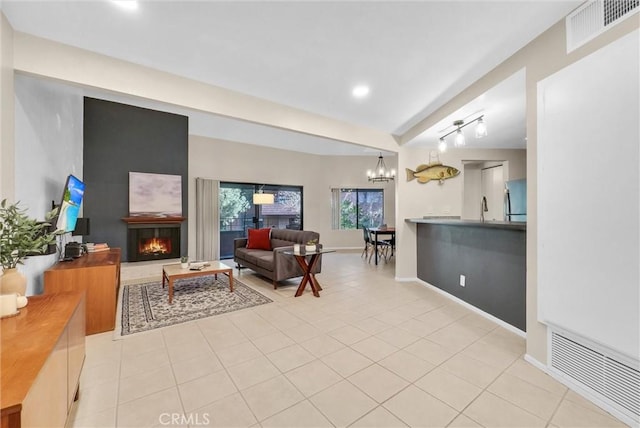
pixel 504 111
pixel 414 55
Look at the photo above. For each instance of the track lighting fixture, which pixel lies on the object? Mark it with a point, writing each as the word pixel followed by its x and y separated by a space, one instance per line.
pixel 460 140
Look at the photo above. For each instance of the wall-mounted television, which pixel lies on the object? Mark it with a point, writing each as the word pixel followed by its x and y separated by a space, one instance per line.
pixel 69 207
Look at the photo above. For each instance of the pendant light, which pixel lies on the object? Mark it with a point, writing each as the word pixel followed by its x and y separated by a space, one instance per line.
pixel 261 198
pixel 459 140
pixel 481 128
pixel 442 145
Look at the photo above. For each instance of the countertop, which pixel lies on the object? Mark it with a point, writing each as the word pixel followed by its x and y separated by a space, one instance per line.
pixel 513 225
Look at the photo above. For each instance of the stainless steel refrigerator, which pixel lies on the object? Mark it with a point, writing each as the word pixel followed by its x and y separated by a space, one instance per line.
pixel 515 200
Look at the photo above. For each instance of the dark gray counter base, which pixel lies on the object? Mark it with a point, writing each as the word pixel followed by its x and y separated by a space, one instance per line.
pixel 493 261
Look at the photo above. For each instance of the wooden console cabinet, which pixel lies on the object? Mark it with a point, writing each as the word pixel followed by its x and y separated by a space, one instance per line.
pixel 97 274
pixel 42 354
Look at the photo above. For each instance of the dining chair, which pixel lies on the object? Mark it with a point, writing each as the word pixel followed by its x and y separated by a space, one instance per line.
pixel 383 246
pixel 368 249
pixel 385 249
pixel 390 247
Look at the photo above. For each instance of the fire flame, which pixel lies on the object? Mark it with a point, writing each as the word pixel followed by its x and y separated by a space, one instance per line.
pixel 156 246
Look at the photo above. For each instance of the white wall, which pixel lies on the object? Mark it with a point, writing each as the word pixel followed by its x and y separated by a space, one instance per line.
pixel 471 192
pixel 433 199
pixel 49 142
pixel 48 147
pixel 229 161
pixel 7 162
pixel 589 197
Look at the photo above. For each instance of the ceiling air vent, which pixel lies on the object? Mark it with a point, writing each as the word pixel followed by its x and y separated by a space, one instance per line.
pixel 615 381
pixel 594 17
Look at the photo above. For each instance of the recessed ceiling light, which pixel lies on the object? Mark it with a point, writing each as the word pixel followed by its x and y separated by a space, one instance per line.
pixel 360 91
pixel 126 4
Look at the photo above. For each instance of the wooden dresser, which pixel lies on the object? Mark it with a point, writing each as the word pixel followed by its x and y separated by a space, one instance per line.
pixel 98 274
pixel 42 352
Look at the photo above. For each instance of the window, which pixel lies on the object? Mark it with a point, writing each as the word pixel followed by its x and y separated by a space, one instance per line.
pixel 355 208
pixel 238 213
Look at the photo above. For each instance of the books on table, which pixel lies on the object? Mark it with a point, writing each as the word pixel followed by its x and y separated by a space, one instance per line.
pixel 97 247
pixel 198 264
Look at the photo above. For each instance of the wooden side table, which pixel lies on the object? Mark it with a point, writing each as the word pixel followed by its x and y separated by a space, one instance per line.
pixel 307 267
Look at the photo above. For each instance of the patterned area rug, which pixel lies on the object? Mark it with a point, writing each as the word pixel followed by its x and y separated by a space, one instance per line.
pixel 146 306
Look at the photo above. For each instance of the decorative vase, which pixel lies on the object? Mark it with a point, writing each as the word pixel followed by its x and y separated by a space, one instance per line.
pixel 21 301
pixel 13 281
pixel 184 265
pixel 8 305
pixel 310 248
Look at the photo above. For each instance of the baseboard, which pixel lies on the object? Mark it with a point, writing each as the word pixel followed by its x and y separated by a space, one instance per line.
pixel 469 306
pixel 401 279
pixel 528 358
pixel 343 248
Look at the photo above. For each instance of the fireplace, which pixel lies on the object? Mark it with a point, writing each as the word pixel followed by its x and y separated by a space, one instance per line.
pixel 153 242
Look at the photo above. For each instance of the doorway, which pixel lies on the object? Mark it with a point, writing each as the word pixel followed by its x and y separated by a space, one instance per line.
pixel 238 213
pixel 484 179
pixel 492 189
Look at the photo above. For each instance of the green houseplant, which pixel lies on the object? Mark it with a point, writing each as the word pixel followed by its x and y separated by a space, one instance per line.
pixel 184 262
pixel 20 237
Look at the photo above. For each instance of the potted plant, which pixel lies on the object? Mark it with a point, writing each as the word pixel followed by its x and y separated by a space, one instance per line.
pixel 311 245
pixel 184 262
pixel 20 237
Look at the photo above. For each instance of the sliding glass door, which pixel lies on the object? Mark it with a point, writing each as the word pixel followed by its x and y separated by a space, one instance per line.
pixel 238 212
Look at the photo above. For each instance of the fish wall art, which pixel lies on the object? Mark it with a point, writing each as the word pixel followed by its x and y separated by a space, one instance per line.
pixel 432 171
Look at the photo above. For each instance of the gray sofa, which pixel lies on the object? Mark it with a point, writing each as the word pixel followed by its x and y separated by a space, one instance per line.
pixel 274 264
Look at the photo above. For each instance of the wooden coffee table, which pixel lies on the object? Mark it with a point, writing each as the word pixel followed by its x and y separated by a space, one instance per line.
pixel 173 271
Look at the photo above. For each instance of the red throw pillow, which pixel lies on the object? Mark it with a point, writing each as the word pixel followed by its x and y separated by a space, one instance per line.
pixel 259 239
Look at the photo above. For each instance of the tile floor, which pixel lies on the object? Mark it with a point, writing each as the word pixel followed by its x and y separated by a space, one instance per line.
pixel 370 352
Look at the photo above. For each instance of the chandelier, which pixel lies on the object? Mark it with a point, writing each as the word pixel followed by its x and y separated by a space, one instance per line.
pixel 381 172
pixel 460 140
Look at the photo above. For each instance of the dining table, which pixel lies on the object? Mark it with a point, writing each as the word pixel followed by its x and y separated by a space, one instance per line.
pixel 384 231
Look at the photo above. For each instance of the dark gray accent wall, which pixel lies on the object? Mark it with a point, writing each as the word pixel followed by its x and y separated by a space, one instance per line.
pixel 493 261
pixel 118 139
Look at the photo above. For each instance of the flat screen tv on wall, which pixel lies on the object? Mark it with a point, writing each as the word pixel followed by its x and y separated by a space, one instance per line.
pixel 69 207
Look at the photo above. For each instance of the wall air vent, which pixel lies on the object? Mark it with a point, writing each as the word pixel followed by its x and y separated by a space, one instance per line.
pixel 617 382
pixel 594 17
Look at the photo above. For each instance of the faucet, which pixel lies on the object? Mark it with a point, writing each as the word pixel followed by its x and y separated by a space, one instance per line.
pixel 483 208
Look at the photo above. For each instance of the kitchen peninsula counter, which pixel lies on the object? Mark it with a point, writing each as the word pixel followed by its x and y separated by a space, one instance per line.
pixel 515 225
pixel 491 255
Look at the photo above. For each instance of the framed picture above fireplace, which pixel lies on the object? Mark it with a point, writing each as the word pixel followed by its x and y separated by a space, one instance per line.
pixel 155 195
